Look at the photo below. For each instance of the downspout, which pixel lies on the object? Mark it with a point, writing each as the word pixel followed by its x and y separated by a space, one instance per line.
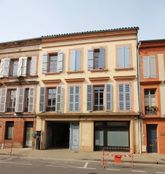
pixel 140 123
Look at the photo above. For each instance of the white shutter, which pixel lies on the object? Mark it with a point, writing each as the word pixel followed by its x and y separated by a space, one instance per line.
pixel 77 98
pixel 90 59
pixel 42 99
pixel 60 60
pixel 59 99
pixel 127 97
pixel 3 96
pixel 152 67
pixel 121 97
pixel 71 98
pixel 109 97
pixel 19 71
pixel 33 65
pixel 44 63
pixel 72 60
pixel 120 58
pixel 31 99
pixel 89 97
pixel 127 57
pixel 24 66
pixel 102 58
pixel 19 106
pixel 1 68
pixel 6 66
pixel 146 67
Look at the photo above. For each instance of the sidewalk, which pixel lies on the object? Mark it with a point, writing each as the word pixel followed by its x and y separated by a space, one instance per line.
pixel 70 155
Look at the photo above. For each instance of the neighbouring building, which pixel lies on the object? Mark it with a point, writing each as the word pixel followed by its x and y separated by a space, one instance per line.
pixel 152 81
pixel 87 97
pixel 18 84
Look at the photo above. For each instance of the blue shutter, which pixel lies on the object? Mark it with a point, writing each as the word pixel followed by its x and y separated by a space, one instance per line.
pixel 71 98
pixel 89 97
pixel 102 58
pixel 58 99
pixel 120 54
pixel 78 60
pixel 109 97
pixel 146 67
pixel 127 97
pixel 60 60
pixel 77 98
pixel 90 59
pixel 121 97
pixel 127 57
pixel 152 67
pixel 44 63
pixel 42 99
pixel 72 60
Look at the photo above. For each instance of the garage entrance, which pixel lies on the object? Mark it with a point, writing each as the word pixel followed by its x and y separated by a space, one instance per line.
pixel 62 135
pixel 57 134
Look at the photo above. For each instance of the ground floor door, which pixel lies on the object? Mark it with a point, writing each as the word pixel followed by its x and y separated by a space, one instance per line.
pixel 152 138
pixel 112 135
pixel 74 136
pixel 28 134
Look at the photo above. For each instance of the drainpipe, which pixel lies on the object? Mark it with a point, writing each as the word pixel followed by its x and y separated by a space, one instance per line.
pixel 140 123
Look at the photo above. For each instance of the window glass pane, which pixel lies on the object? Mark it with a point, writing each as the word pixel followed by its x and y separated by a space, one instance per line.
pixel 9 130
pixel 99 138
pixel 53 63
pixel 96 59
pixel 51 100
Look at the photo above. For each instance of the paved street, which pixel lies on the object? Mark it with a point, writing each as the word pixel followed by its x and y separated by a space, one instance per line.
pixel 23 165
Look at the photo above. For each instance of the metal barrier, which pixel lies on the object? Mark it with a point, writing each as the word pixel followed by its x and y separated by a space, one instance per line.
pixel 117 157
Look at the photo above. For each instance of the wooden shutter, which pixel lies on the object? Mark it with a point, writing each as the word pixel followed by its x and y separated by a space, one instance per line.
pixel 24 66
pixel 33 65
pixel 89 97
pixel 31 99
pixel 71 98
pixel 42 99
pixel 19 70
pixel 72 60
pixel 77 98
pixel 1 68
pixel 60 60
pixel 146 71
pixel 127 97
pixel 109 97
pixel 59 99
pixel 127 57
pixel 90 59
pixel 44 63
pixel 19 106
pixel 6 67
pixel 120 57
pixel 121 97
pixel 102 58
pixel 152 67
pixel 3 97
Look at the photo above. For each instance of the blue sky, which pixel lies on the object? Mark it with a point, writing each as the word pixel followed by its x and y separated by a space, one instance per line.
pixel 22 19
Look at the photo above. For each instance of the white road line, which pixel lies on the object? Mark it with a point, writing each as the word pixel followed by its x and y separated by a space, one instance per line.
pixel 139 171
pixel 9 162
pixel 86 164
pixel 160 172
pixel 112 169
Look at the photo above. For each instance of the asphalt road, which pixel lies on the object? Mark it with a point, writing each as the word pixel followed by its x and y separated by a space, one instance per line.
pixel 22 165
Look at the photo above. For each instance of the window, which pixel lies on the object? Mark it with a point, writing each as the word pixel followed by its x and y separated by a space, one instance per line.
pixel 74 98
pixel 124 97
pixel 123 57
pixel 11 99
pixel 13 67
pixel 29 66
pixel 26 99
pixel 51 99
pixel 149 67
pixel 96 59
pixel 150 101
pixel 98 98
pixel 52 63
pixel 75 60
pixel 9 130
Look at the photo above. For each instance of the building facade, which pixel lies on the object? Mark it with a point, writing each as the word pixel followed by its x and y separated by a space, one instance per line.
pixel 18 84
pixel 152 68
pixel 87 95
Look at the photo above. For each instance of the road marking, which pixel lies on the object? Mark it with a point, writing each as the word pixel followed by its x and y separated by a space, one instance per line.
pixel 139 171
pixel 112 169
pixel 86 164
pixel 9 162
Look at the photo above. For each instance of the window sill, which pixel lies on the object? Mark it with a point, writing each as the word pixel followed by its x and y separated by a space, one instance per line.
pixel 124 69
pixel 98 70
pixel 75 72
pixel 53 73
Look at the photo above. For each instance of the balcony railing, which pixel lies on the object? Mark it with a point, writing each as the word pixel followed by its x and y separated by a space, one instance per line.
pixel 151 110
